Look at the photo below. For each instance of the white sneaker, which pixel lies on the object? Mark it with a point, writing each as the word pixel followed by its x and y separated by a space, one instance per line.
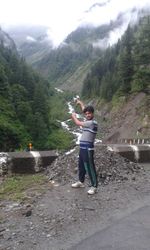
pixel 78 184
pixel 92 190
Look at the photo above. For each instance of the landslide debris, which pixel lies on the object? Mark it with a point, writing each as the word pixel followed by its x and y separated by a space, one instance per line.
pixel 110 167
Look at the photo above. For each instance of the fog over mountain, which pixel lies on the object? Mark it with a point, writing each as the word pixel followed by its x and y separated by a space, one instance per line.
pixel 61 18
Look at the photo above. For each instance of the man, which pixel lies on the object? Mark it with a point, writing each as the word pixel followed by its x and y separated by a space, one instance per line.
pixel 86 154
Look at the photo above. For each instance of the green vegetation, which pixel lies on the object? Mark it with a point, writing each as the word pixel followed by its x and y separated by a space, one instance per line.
pixel 77 51
pixel 16 188
pixel 124 68
pixel 29 107
pixel 63 61
pixel 60 139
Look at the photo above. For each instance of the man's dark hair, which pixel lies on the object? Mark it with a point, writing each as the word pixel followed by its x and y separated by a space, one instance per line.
pixel 88 109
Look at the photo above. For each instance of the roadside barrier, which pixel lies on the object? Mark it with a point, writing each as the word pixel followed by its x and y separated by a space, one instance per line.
pixel 37 161
pixel 135 140
pixel 136 153
pixel 25 162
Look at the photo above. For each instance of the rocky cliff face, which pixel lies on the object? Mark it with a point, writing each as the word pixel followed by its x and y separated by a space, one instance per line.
pixel 7 41
pixel 130 119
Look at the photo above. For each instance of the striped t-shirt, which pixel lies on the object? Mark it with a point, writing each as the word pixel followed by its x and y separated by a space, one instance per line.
pixel 89 132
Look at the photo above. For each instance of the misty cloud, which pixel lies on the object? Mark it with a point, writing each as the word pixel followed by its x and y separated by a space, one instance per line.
pixel 30 39
pixel 103 14
pixel 63 17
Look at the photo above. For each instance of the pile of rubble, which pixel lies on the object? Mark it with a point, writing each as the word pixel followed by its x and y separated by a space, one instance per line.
pixel 110 167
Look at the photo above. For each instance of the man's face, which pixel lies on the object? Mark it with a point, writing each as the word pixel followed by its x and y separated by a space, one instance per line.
pixel 89 115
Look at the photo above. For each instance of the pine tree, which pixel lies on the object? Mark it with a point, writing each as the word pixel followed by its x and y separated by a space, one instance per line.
pixel 4 85
pixel 141 80
pixel 126 68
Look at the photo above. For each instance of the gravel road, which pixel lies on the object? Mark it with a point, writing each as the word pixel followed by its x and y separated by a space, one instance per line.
pixel 62 216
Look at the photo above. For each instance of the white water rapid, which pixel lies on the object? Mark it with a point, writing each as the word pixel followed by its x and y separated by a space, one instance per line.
pixel 64 124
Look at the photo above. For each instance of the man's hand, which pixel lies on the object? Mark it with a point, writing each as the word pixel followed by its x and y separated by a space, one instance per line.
pixel 80 103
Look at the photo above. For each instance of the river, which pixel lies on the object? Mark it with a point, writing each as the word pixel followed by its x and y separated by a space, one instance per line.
pixel 78 131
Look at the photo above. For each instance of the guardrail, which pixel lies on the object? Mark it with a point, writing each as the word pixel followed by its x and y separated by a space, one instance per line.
pixel 25 162
pixel 136 153
pixel 135 140
pixel 37 161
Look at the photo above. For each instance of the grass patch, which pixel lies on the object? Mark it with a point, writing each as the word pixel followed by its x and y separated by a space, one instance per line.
pixel 15 188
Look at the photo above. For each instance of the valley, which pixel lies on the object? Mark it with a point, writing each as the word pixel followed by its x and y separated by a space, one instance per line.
pixel 108 66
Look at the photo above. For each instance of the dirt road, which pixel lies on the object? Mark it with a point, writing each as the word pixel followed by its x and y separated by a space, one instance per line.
pixel 64 216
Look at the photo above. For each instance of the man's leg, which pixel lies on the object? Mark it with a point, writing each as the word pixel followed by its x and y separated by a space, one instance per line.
pixel 90 169
pixel 82 170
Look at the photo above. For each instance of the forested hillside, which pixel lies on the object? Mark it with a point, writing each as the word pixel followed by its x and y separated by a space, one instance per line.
pixel 124 68
pixel 78 51
pixel 69 64
pixel 27 106
pixel 30 108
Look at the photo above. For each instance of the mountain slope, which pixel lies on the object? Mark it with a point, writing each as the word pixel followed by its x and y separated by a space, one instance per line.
pixel 75 57
pixel 7 41
pixel 81 47
pixel 32 42
pixel 129 119
pixel 124 68
pixel 25 99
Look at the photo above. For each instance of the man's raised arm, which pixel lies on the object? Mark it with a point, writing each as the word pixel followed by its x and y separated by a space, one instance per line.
pixel 81 104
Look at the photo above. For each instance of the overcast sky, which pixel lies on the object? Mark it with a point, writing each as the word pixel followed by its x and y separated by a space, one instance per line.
pixel 63 16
